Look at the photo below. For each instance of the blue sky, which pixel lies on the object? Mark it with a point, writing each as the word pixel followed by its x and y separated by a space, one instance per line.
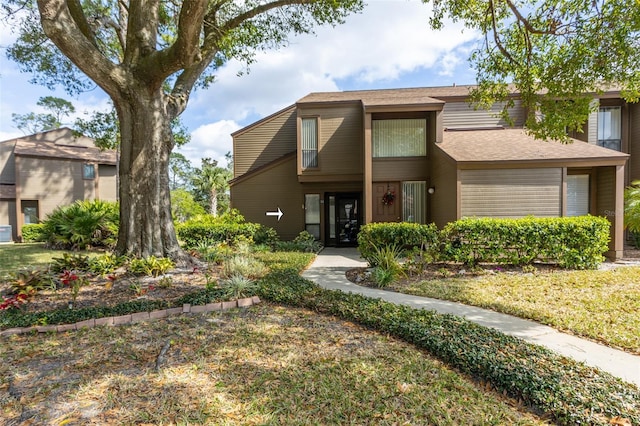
pixel 388 45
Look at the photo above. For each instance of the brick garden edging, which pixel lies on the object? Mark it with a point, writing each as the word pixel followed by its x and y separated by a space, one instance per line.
pixel 136 317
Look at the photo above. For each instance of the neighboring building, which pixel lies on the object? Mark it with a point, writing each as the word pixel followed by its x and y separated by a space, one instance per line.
pixel 43 171
pixel 328 162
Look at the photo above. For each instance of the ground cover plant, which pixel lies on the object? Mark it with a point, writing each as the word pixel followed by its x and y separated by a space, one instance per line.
pixel 600 305
pixel 263 365
pixel 566 391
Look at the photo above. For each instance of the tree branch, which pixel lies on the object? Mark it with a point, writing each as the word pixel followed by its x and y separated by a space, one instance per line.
pixel 62 28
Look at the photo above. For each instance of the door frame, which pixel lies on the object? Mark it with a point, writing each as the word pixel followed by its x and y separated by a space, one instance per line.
pixel 338 196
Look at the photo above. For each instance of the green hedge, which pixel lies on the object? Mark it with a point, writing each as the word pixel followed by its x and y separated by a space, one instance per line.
pixel 565 390
pixel 403 235
pixel 33 232
pixel 229 228
pixel 571 242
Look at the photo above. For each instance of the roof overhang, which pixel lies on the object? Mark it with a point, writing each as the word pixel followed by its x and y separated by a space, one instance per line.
pixel 508 148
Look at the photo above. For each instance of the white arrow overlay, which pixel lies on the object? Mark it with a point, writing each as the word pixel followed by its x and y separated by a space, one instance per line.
pixel 278 213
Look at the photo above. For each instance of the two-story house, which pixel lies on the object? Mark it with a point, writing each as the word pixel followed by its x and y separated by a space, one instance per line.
pixel 43 171
pixel 334 161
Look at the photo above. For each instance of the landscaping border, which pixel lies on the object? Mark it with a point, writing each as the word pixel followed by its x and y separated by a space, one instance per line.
pixel 135 317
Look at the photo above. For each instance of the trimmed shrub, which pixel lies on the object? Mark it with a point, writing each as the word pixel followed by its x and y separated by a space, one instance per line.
pixel 566 391
pixel 82 224
pixel 571 242
pixel 33 232
pixel 403 235
pixel 228 228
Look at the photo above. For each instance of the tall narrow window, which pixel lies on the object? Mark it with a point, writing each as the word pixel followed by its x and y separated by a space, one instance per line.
pixel 309 142
pixel 312 214
pixel 399 138
pixel 30 211
pixel 577 195
pixel 610 128
pixel 414 202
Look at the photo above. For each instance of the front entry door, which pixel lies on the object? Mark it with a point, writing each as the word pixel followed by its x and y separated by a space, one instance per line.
pixel 344 219
pixel 386 202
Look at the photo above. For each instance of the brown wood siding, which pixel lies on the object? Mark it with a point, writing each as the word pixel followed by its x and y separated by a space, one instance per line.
pixel 605 194
pixel 443 202
pixel 53 182
pixel 108 183
pixel 8 216
pixel 265 192
pixel 634 142
pixel 7 163
pixel 265 142
pixel 340 142
pixel 413 168
pixel 511 192
pixel 462 114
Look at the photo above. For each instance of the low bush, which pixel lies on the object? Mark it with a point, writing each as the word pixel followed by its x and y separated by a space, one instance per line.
pixel 151 265
pixel 228 228
pixel 82 224
pixel 32 232
pixel 304 242
pixel 571 242
pixel 404 235
pixel 243 265
pixel 567 391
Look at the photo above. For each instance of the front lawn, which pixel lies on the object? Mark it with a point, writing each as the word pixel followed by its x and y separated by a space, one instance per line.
pixel 601 305
pixel 263 365
pixel 14 257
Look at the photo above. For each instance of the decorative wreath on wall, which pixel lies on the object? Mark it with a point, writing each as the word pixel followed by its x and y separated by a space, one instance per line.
pixel 388 198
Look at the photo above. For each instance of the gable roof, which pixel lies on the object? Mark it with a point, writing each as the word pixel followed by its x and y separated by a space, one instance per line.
pixel 63 144
pixel 516 146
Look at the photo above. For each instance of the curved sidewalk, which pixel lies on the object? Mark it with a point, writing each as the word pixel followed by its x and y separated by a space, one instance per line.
pixel 328 271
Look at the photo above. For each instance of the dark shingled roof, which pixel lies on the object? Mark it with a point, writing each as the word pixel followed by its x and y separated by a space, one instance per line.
pixel 511 145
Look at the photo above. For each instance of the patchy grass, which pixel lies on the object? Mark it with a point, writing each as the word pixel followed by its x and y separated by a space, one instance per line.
pixel 600 305
pixel 264 365
pixel 14 257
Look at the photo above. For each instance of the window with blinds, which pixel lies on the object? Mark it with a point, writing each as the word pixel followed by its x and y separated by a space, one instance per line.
pixel 399 138
pixel 414 201
pixel 309 142
pixel 577 195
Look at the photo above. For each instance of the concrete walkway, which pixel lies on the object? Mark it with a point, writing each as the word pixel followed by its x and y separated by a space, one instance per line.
pixel 328 271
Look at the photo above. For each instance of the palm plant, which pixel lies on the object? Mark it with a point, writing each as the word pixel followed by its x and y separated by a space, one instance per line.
pixel 210 181
pixel 632 208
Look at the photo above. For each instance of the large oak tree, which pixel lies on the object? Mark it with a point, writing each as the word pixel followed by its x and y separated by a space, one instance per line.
pixel 148 56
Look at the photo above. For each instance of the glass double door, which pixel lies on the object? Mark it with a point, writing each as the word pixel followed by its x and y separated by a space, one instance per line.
pixel 343 218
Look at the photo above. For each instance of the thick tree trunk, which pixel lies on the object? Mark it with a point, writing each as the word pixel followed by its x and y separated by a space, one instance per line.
pixel 146 227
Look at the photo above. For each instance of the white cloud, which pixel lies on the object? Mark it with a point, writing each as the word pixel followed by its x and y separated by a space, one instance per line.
pixel 211 140
pixel 389 39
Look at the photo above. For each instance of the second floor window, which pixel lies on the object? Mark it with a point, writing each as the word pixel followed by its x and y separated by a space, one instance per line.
pixel 399 138
pixel 309 142
pixel 610 128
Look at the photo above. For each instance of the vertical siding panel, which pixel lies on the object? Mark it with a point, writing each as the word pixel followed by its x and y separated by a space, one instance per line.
pixel 511 192
pixel 7 162
pixel 592 125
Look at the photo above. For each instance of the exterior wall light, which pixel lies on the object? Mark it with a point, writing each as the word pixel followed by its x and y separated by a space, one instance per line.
pixel 431 190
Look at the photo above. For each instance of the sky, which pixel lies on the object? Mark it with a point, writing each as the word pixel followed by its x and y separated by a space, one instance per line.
pixel 388 45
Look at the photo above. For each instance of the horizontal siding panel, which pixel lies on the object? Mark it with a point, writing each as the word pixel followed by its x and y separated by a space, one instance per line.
pixel 266 191
pixel 340 142
pixel 462 114
pixel 7 163
pixel 265 143
pixel 511 192
pixel 405 169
